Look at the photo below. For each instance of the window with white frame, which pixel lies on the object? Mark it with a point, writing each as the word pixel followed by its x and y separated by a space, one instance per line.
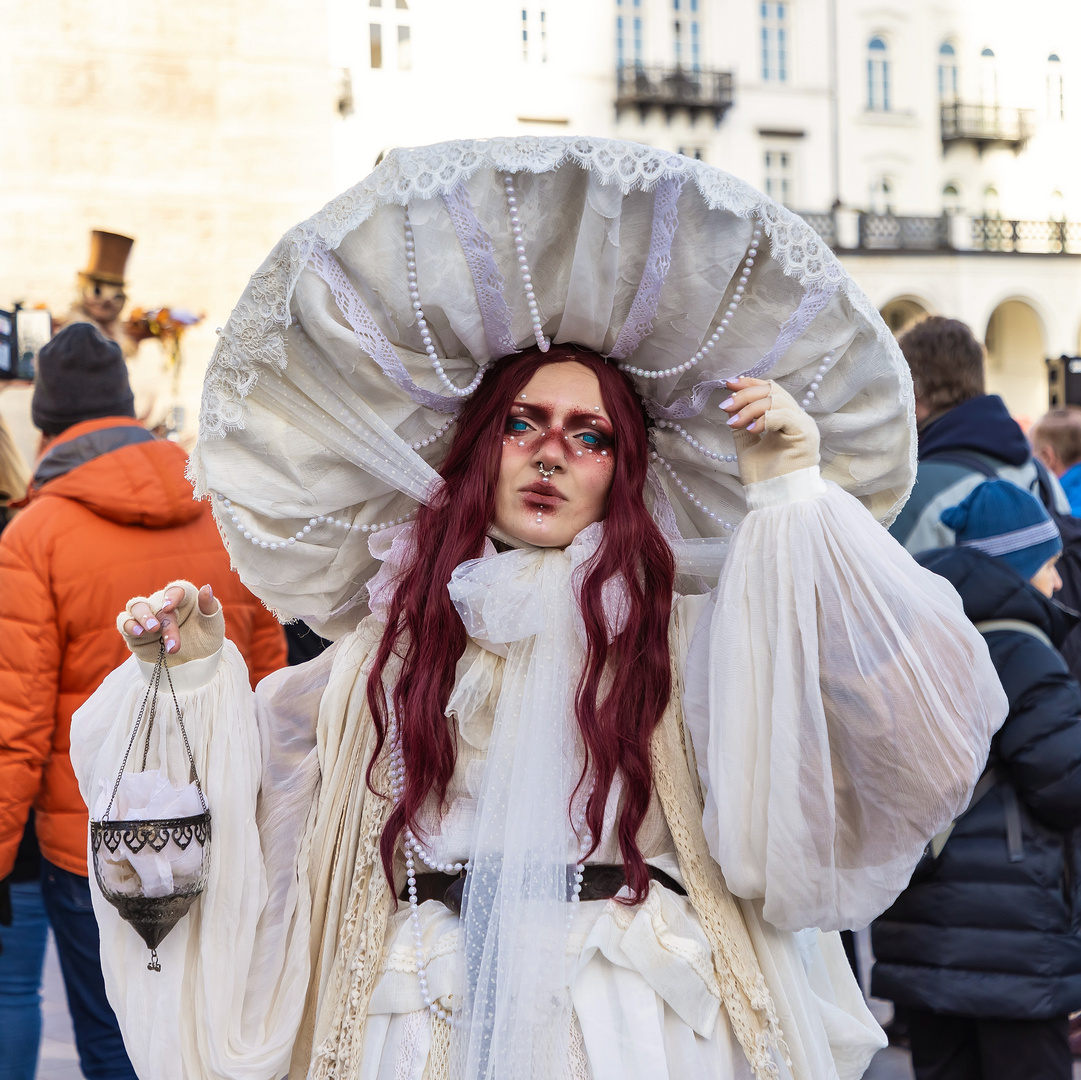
pixel 882 196
pixel 948 74
pixel 988 77
pixel 391 30
pixel 991 208
pixel 535 35
pixel 780 174
pixel 1056 98
pixel 879 89
pixel 951 198
pixel 696 152
pixel 686 34
pixel 774 16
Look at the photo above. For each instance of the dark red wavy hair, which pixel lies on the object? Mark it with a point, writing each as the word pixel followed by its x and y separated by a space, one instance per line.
pixel 425 631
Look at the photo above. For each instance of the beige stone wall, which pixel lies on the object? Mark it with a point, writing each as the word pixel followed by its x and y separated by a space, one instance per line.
pixel 203 128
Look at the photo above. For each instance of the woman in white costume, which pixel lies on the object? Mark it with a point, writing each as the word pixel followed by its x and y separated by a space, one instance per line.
pixel 642 705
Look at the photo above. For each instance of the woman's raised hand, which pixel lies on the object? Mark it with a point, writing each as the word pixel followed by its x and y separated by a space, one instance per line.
pixel 787 437
pixel 179 608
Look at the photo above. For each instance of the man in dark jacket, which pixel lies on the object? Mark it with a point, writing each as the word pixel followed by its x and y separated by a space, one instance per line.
pixel 984 946
pixel 964 433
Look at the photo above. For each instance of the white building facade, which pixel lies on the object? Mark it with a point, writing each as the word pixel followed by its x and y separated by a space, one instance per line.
pixel 935 143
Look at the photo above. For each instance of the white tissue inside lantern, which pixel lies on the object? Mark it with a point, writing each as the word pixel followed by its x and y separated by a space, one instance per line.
pixel 151 796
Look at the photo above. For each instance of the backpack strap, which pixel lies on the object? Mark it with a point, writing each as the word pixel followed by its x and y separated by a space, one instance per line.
pixel 989 626
pixel 968 459
pixel 1014 842
pixel 990 777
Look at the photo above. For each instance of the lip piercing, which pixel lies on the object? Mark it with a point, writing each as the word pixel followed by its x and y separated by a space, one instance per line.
pixel 546 474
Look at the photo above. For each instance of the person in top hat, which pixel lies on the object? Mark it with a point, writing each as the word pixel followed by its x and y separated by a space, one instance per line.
pixel 101 296
pixel 982 948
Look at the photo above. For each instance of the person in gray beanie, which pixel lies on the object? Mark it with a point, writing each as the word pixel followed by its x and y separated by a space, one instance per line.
pixel 81 375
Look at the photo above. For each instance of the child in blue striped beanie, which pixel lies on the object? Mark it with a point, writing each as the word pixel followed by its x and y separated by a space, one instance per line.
pixel 1004 521
pixel 982 950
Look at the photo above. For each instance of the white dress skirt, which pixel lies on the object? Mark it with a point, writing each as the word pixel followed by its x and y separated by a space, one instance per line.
pixel 839 707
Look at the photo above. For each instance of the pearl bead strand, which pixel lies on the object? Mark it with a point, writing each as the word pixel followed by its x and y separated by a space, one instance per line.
pixel 523 265
pixel 727 526
pixel 719 329
pixel 301 534
pixel 413 851
pixel 433 438
pixel 694 442
pixel 422 322
pixel 817 380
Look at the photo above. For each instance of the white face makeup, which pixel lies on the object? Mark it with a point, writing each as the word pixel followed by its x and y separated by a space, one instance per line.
pixel 558 458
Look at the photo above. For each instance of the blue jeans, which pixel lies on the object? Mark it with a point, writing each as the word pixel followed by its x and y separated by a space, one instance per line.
pixel 97 1035
pixel 20 982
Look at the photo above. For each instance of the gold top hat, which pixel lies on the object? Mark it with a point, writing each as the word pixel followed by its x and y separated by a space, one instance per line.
pixel 108 257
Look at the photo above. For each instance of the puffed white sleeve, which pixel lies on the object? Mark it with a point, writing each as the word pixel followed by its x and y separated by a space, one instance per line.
pixel 839 703
pixel 228 1000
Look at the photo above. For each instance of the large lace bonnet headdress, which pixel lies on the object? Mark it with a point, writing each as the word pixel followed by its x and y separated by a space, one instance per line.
pixel 327 404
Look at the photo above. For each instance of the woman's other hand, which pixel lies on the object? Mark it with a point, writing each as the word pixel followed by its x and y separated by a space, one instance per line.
pixel 178 609
pixel 773 435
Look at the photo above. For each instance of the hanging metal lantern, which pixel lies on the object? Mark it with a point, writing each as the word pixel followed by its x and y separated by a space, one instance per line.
pixel 152 912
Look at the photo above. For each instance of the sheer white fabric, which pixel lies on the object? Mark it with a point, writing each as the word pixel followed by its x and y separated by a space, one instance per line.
pixel 512 958
pixel 234 971
pixel 839 706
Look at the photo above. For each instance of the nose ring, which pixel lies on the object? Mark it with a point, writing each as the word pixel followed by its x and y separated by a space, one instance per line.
pixel 546 474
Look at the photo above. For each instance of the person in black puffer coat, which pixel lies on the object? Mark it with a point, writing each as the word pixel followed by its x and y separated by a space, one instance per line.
pixel 983 949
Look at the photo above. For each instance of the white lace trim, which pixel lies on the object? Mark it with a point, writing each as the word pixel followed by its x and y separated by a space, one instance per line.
pixel 370 338
pixel 639 323
pixel 487 280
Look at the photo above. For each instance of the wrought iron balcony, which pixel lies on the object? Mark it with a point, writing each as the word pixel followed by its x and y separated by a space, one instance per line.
pixel 849 231
pixel 646 87
pixel 986 125
pixel 891 232
pixel 1035 237
pixel 824 224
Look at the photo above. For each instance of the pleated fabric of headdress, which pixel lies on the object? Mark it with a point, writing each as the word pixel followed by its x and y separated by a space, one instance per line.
pixel 328 403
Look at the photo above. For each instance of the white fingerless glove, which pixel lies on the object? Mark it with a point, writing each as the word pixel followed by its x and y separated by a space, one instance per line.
pixel 200 635
pixel 788 444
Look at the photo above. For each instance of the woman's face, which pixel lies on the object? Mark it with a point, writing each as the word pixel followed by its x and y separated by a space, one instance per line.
pixel 558 462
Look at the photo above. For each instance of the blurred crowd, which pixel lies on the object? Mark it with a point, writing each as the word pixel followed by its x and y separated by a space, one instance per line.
pixel 981 954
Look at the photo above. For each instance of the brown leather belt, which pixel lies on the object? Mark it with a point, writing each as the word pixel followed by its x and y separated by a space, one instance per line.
pixel 600 881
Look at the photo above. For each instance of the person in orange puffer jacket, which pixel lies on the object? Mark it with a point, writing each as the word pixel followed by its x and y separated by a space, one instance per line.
pixel 109 511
